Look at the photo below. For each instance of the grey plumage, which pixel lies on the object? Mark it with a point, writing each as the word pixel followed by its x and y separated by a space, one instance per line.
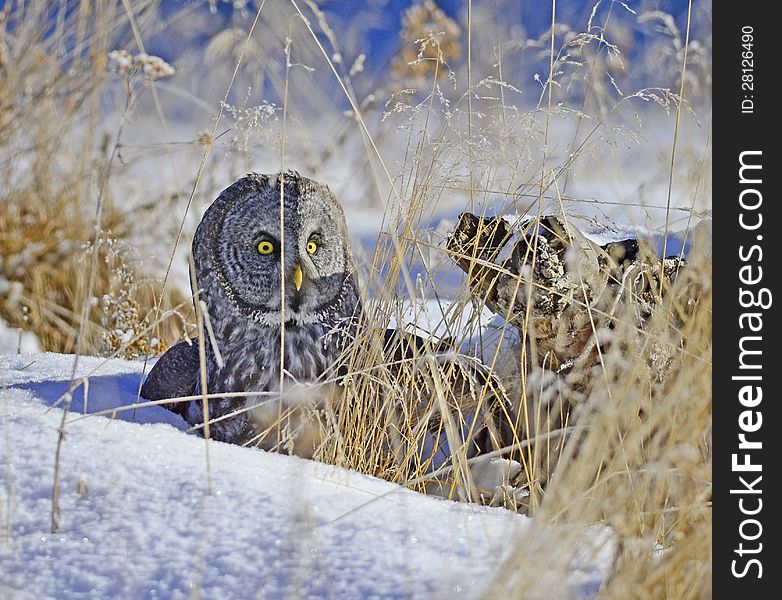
pixel 174 376
pixel 241 287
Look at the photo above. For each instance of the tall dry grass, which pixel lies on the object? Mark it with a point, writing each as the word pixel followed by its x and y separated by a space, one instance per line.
pixel 640 461
pixel 455 121
pixel 67 272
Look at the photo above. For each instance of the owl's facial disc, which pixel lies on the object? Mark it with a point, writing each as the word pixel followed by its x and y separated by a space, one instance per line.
pixel 252 263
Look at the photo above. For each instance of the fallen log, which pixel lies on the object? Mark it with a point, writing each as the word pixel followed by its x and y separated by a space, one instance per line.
pixel 557 287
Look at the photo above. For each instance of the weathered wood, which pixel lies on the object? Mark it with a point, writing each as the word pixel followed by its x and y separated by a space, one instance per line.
pixel 555 285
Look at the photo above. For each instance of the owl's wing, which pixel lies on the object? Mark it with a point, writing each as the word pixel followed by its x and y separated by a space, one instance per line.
pixel 174 375
pixel 401 345
pixel 404 346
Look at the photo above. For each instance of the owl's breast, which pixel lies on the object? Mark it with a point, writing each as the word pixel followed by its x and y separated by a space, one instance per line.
pixel 309 352
pixel 251 357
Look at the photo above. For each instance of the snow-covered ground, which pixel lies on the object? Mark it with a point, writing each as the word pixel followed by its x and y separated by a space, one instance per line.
pixel 137 520
pixel 13 341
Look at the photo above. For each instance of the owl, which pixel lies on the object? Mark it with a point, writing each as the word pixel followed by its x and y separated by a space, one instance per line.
pixel 284 329
pixel 280 306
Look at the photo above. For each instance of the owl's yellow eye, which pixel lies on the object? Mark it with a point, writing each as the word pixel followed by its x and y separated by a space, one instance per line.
pixel 312 247
pixel 265 247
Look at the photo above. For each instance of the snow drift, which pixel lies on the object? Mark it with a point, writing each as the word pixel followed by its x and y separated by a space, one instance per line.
pixel 137 519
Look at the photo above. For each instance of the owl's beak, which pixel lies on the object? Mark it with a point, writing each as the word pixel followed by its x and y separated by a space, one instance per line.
pixel 298 276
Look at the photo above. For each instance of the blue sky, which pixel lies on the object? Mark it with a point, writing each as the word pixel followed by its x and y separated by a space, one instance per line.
pixel 381 38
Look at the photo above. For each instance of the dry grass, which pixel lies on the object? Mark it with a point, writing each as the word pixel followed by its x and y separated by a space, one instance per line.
pixel 45 242
pixel 57 169
pixel 642 462
pixel 633 454
pixel 429 40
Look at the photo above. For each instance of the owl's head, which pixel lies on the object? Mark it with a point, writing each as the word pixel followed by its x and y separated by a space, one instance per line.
pixel 260 256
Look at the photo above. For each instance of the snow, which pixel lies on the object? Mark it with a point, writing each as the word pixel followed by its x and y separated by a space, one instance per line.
pixel 435 319
pixel 12 339
pixel 137 519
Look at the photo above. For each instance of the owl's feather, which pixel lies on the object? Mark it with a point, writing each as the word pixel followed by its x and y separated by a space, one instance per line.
pixel 173 376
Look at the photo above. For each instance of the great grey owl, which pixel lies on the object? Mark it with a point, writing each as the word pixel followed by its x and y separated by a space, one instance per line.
pixel 242 257
pixel 264 288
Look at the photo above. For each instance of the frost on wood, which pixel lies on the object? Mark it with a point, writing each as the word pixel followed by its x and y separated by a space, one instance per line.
pixel 583 309
pixel 555 285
